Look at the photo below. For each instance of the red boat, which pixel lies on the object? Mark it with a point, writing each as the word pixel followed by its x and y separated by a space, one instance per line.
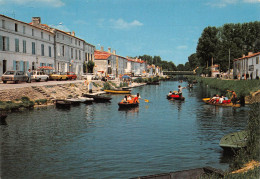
pixel 175 96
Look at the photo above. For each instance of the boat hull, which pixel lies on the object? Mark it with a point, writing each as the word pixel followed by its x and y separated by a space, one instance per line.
pixel 234 141
pixel 175 98
pixel 98 98
pixel 118 91
pixel 127 105
pixel 221 104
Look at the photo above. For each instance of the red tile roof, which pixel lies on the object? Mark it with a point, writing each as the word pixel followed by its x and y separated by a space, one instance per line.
pixel 248 56
pixel 101 55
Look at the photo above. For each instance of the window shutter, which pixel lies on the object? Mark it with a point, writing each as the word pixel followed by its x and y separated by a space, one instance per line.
pixel 14 65
pixel 7 43
pixel 21 66
pixel 1 43
pixel 27 66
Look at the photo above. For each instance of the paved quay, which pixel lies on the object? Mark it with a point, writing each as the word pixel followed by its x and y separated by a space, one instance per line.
pixel 24 84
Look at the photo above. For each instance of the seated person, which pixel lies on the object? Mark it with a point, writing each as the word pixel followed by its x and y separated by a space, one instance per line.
pixel 170 93
pixel 125 99
pixel 221 99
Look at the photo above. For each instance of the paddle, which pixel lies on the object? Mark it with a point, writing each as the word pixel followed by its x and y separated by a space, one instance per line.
pixel 205 99
pixel 145 100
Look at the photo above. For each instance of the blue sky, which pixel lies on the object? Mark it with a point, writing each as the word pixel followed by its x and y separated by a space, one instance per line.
pixel 166 28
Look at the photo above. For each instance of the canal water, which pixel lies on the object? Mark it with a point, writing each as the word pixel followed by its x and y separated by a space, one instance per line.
pixel 99 141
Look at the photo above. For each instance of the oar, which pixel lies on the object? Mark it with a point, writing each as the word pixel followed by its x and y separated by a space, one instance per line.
pixel 205 99
pixel 145 100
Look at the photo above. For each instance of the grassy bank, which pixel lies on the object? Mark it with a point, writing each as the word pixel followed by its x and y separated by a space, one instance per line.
pixel 17 104
pixel 241 87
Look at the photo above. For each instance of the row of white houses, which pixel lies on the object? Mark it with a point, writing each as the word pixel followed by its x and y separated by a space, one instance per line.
pixel 247 66
pixel 32 45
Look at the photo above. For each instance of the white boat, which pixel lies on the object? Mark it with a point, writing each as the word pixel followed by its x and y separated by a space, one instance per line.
pixel 86 100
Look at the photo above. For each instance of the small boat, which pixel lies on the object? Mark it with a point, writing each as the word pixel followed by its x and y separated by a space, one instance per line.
pixel 74 101
pixel 118 91
pixel 153 83
pixel 62 103
pixel 86 100
pixel 98 98
pixel 235 140
pixel 126 105
pixel 227 103
pixel 176 97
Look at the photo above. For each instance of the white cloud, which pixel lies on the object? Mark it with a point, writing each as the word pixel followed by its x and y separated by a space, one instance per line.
pixel 224 3
pixel 61 27
pixel 122 24
pixel 53 3
pixel 182 47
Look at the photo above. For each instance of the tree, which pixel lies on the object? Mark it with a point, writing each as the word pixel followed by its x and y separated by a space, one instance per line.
pixel 90 66
pixel 180 67
pixel 193 61
pixel 206 48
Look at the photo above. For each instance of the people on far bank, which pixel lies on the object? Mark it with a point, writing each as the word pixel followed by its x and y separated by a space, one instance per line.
pixel 29 74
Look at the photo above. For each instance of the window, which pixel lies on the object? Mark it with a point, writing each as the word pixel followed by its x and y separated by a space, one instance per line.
pixel 76 52
pixel 23 29
pixel 79 55
pixel 16 45
pixel 42 35
pixel 71 52
pixel 49 51
pixel 70 40
pixel 33 48
pixel 63 50
pixel 32 32
pixel 75 42
pixel 16 27
pixel 257 60
pixel 79 43
pixel 33 65
pixel 4 43
pixel 24 46
pixel 49 37
pixel 3 24
pixel 42 47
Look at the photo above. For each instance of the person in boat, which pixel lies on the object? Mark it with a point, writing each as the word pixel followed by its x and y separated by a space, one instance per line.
pixel 180 90
pixel 170 93
pixel 221 99
pixel 233 97
pixel 136 99
pixel 129 98
pixel 213 99
pixel 125 99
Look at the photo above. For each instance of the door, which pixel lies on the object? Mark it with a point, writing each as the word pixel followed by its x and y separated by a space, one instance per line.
pixel 4 66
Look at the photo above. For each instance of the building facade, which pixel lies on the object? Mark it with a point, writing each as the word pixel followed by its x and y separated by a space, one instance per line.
pixel 24 46
pixel 247 66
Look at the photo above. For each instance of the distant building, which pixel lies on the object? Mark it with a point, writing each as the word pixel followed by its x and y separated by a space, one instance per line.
pixel 247 66
pixel 215 70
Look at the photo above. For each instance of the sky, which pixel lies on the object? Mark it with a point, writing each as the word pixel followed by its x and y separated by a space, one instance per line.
pixel 166 28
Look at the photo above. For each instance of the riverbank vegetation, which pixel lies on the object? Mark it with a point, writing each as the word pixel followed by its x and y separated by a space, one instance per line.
pixel 17 104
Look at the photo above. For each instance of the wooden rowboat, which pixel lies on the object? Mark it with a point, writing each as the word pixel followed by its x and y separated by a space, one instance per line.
pixel 206 100
pixel 235 140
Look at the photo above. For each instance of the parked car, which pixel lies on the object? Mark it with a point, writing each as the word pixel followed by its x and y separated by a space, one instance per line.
pixel 111 77
pixel 71 76
pixel 58 76
pixel 14 76
pixel 39 75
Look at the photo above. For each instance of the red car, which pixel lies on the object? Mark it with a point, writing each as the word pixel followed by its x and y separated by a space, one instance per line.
pixel 71 76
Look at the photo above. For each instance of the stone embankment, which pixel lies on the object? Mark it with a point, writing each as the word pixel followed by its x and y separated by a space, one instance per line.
pixel 49 92
pixel 255 97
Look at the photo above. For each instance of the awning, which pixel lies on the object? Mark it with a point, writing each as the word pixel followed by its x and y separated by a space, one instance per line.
pixel 46 68
pixel 126 76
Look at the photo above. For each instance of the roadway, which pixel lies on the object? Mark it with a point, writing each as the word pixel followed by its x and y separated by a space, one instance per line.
pixel 11 85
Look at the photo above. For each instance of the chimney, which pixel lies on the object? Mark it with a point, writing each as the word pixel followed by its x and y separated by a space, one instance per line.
pixel 250 53
pixel 36 21
pixel 109 50
pixel 73 33
pixel 114 52
pixel 101 48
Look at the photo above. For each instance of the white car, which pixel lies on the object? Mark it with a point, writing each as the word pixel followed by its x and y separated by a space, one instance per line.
pixel 39 75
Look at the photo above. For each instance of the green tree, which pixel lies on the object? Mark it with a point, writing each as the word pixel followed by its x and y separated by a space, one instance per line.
pixel 193 61
pixel 90 66
pixel 207 45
